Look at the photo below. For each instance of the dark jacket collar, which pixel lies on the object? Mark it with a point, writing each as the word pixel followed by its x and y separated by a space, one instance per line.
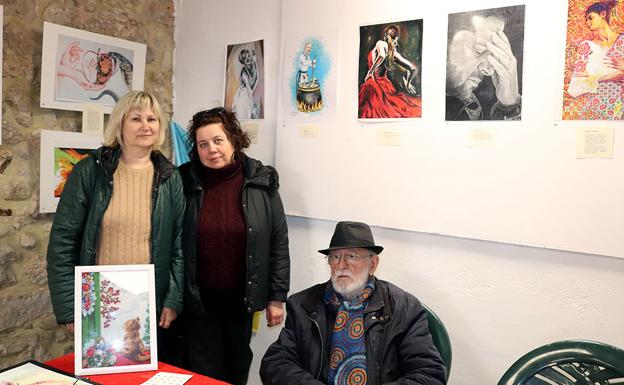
pixel 379 299
pixel 108 157
pixel 254 171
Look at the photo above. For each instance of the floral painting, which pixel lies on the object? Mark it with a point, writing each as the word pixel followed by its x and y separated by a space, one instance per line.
pixel 593 86
pixel 114 322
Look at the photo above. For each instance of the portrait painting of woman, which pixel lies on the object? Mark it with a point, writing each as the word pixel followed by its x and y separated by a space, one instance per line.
pixel 389 70
pixel 594 71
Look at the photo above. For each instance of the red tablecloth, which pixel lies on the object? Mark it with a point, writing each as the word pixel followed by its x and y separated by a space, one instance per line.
pixel 66 364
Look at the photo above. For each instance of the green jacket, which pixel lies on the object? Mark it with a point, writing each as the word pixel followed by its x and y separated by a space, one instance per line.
pixel 78 218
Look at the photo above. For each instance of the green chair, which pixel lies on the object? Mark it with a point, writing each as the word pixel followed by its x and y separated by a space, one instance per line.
pixel 440 338
pixel 573 362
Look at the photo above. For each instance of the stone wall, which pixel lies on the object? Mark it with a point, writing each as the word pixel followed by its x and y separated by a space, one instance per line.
pixel 28 329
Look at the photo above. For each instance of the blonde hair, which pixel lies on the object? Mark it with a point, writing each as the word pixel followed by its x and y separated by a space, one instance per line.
pixel 133 100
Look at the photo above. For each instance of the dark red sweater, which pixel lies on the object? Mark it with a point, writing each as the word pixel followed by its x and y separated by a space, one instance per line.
pixel 221 235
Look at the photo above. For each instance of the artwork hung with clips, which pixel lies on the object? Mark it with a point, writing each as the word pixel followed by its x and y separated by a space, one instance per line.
pixel 244 80
pixel 309 79
pixel 35 373
pixel 115 319
pixel 60 151
pixel 80 67
pixel 593 86
pixel 389 76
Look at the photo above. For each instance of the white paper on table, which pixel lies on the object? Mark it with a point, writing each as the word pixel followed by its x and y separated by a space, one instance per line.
pixel 166 378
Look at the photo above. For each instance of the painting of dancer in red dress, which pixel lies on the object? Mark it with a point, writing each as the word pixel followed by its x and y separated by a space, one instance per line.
pixel 389 70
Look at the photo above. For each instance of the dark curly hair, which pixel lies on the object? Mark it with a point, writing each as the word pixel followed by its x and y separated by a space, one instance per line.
pixel 606 6
pixel 231 126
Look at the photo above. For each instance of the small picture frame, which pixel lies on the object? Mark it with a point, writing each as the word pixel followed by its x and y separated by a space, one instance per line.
pixel 114 319
pixel 60 151
pixel 80 67
pixel 33 372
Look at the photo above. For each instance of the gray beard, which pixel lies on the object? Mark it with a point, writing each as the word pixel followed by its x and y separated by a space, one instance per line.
pixel 350 291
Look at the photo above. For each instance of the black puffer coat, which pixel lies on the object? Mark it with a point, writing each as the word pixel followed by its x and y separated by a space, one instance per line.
pixel 268 260
pixel 399 348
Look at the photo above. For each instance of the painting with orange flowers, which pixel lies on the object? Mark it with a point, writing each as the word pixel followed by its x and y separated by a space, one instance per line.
pixel 593 86
pixel 60 151
pixel 64 161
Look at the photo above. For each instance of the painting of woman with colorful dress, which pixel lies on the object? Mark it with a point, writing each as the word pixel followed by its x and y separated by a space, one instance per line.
pixel 594 71
pixel 389 70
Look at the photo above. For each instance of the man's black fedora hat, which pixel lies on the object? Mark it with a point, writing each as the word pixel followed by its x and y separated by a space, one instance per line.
pixel 349 235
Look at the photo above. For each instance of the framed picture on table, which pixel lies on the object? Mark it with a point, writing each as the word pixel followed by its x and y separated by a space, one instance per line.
pixel 80 67
pixel 35 373
pixel 114 319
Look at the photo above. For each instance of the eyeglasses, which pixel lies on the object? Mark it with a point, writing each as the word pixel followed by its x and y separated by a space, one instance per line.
pixel 350 258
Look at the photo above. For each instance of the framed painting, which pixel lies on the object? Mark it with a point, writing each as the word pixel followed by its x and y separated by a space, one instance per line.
pixel 593 73
pixel 244 80
pixel 309 78
pixel 79 67
pixel 35 373
pixel 60 151
pixel 114 319
pixel 389 74
pixel 484 61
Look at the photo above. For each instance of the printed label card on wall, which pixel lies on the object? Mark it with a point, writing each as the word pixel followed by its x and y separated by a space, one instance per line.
pixel 251 128
pixel 93 120
pixel 388 136
pixel 481 137
pixel 594 142
pixel 309 131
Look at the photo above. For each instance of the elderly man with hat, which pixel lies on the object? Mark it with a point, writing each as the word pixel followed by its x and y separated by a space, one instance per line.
pixel 355 328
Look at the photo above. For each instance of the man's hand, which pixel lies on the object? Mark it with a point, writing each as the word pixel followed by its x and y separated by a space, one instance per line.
pixel 166 317
pixel 274 313
pixel 505 78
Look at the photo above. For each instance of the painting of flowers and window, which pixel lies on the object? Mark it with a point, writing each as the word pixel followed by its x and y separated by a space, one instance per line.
pixel 115 319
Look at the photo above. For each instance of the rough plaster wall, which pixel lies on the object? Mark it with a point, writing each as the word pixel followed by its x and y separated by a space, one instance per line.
pixel 27 327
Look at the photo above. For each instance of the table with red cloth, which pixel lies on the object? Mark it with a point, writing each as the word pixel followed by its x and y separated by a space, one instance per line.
pixel 66 364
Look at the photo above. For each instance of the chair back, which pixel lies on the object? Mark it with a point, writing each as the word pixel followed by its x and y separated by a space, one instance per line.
pixel 575 362
pixel 440 338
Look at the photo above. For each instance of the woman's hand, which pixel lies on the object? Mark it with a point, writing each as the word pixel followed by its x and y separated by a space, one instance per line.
pixel 166 317
pixel 70 327
pixel 274 313
pixel 616 63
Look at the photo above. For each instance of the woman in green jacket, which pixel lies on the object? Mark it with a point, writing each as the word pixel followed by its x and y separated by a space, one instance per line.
pixel 122 204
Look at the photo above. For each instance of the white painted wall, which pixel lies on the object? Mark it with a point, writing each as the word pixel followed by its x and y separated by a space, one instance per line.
pixel 203 29
pixel 497 300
